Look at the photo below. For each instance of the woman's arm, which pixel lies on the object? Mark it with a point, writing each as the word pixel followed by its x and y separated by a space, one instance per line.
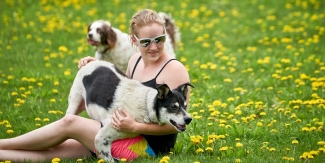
pixel 125 122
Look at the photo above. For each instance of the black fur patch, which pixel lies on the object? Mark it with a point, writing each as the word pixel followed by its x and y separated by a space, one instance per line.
pixel 105 153
pixel 100 86
pixel 105 142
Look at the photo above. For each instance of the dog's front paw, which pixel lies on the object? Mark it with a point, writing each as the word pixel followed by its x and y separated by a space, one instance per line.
pixel 105 156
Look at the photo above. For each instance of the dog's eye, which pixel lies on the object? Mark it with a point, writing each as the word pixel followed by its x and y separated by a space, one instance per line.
pixel 99 30
pixel 174 106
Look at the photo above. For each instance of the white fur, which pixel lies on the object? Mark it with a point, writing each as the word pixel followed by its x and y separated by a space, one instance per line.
pixel 139 103
pixel 120 54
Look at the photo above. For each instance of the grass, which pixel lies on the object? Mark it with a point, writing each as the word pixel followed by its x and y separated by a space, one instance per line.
pixel 257 67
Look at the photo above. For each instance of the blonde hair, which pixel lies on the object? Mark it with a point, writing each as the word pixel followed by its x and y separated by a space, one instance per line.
pixel 143 18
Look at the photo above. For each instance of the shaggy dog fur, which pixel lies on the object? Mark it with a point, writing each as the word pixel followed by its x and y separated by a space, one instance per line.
pixel 103 89
pixel 114 46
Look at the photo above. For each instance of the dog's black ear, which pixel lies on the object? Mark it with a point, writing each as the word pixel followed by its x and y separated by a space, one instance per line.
pixel 163 91
pixel 184 89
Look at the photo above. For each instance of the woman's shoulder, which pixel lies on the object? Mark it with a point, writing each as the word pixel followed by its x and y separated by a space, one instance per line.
pixel 175 74
pixel 134 58
pixel 131 63
pixel 175 64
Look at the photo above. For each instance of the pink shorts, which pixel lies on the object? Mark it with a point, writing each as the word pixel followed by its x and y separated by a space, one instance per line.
pixel 131 148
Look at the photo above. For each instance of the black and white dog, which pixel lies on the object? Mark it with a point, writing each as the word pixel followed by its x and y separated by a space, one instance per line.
pixel 104 88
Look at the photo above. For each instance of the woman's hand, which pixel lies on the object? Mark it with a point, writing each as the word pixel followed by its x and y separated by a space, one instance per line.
pixel 85 61
pixel 123 121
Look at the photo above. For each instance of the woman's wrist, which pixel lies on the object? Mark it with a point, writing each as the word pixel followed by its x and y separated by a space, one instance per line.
pixel 137 127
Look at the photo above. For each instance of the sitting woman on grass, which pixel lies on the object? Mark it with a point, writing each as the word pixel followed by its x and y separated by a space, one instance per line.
pixel 73 136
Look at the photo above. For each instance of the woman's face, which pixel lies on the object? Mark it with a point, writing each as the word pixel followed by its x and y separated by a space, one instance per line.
pixel 150 41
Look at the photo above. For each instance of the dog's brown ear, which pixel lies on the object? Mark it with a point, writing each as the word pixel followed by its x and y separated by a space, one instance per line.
pixel 184 88
pixel 163 91
pixel 111 37
pixel 88 29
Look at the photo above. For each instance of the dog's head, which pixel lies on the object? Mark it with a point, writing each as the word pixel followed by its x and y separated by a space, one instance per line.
pixel 171 106
pixel 101 33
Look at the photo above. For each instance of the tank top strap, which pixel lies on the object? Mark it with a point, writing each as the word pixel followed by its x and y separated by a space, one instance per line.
pixel 164 67
pixel 135 66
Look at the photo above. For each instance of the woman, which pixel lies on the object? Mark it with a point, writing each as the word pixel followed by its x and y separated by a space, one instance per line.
pixel 73 136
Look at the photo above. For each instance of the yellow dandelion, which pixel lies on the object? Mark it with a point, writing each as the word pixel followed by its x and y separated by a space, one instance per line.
pixel 183 59
pixel 321 143
pixel 262 113
pixel 294 142
pixel 166 158
pixel 313 152
pixel 210 141
pixel 55 91
pixel 239 144
pixel 101 161
pixel 10 131
pixel 223 149
pixel 63 49
pixel 321 150
pixel 238 160
pixel 56 160
pixel 163 161
pixel 67 73
pixel 200 150
pixel 259 124
pixel 14 94
pixel 305 129
pixel 227 80
pixel 46 119
pixel 209 149
pixel 274 130
pixel 231 99
pixel 216 103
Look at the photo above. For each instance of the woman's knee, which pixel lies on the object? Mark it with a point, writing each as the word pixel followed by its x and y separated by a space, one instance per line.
pixel 69 120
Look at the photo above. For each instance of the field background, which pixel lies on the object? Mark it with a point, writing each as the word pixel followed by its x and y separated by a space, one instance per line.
pixel 258 67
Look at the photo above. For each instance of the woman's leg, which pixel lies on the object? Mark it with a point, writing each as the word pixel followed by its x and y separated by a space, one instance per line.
pixel 69 149
pixel 69 127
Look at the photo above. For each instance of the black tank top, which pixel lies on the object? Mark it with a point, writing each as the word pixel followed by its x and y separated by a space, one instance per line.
pixel 160 144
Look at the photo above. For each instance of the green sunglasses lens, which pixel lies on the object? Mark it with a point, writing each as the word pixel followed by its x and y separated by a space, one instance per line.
pixel 145 42
pixel 160 39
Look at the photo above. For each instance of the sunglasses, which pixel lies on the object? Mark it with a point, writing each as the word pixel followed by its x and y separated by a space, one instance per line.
pixel 145 42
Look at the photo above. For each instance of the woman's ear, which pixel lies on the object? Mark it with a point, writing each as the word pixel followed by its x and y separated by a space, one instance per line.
pixel 134 41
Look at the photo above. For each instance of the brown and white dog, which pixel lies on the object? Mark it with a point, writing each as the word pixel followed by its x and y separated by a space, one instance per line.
pixel 113 45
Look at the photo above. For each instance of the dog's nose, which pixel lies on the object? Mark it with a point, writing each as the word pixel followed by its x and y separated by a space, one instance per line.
pixel 187 119
pixel 90 35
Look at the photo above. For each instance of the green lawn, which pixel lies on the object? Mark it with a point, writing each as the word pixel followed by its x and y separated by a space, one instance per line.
pixel 258 67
